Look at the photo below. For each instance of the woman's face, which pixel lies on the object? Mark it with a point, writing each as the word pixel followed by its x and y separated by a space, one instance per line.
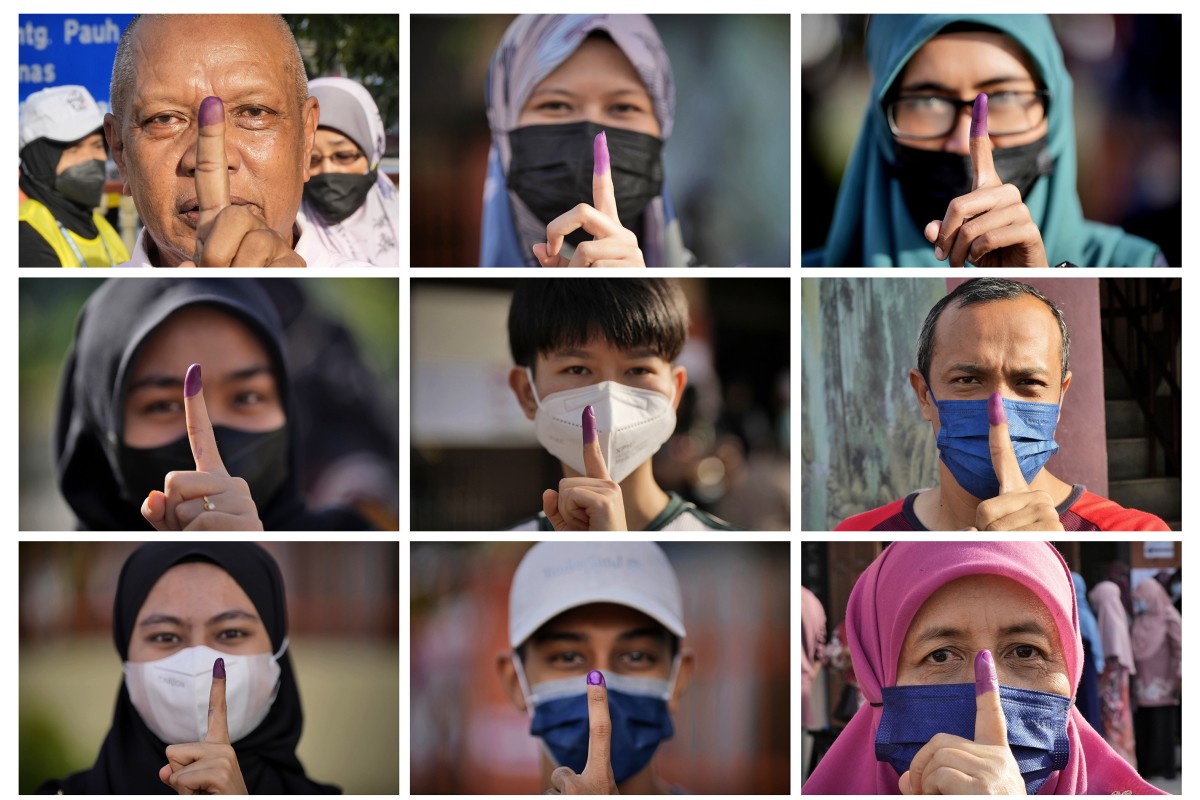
pixel 961 65
pixel 597 84
pixel 197 604
pixel 333 151
pixel 88 148
pixel 240 390
pixel 980 612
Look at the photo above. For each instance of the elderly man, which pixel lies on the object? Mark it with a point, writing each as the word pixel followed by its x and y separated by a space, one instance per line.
pixel 597 662
pixel 212 128
pixel 991 377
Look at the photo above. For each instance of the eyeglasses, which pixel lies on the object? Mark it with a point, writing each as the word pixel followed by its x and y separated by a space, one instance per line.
pixel 344 158
pixel 932 117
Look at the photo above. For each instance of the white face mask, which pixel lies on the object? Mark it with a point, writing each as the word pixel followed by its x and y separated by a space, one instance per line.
pixel 631 424
pixel 171 694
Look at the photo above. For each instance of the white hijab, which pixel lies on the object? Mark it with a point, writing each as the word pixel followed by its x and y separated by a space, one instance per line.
pixel 372 232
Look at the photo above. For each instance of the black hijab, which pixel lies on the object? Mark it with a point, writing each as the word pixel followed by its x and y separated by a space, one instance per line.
pixel 114 324
pixel 132 755
pixel 39 168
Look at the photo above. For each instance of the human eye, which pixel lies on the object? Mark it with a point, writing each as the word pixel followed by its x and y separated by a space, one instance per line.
pixel 553 106
pixel 164 637
pixel 566 658
pixel 1027 652
pixel 639 659
pixel 254 116
pixel 249 397
pixel 165 122
pixel 232 634
pixel 346 158
pixel 576 369
pixel 966 380
pixel 163 406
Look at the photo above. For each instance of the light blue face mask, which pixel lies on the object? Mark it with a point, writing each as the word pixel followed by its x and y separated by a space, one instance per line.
pixel 637 708
pixel 1037 725
pixel 963 440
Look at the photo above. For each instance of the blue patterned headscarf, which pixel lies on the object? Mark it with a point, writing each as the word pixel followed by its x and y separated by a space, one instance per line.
pixel 871 224
pixel 533 47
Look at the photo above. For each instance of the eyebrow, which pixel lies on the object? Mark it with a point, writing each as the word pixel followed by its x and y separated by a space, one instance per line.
pixel 934 86
pixel 946 632
pixel 160 381
pixel 972 368
pixel 572 636
pixel 574 352
pixel 568 93
pixel 224 616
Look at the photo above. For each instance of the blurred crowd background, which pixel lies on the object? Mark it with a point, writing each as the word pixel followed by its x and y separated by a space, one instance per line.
pixel 1143 722
pixel 476 462
pixel 726 161
pixel 343 341
pixel 1127 71
pixel 732 731
pixel 343 613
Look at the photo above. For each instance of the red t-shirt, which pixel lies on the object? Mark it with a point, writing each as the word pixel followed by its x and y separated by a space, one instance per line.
pixel 1081 511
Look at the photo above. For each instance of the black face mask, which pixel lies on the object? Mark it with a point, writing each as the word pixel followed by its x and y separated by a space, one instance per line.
pixel 337 195
pixel 930 179
pixel 258 458
pixel 551 169
pixel 82 183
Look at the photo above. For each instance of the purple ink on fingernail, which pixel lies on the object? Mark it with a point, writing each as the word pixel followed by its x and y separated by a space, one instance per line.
pixel 191 381
pixel 219 669
pixel 979 117
pixel 600 154
pixel 212 111
pixel 985 673
pixel 595 678
pixel 589 425
pixel 996 415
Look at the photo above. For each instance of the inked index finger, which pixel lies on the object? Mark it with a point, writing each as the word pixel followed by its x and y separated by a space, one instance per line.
pixel 981 146
pixel 593 459
pixel 604 196
pixel 1004 457
pixel 990 726
pixel 199 427
pixel 218 717
pixel 212 167
pixel 599 728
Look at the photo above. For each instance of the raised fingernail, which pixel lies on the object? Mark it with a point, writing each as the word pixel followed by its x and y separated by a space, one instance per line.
pixel 985 673
pixel 600 153
pixel 219 669
pixel 979 117
pixel 595 678
pixel 589 429
pixel 211 110
pixel 938 254
pixel 191 381
pixel 996 415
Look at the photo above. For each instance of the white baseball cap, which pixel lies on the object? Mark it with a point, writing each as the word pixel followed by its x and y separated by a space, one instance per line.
pixel 60 114
pixel 557 576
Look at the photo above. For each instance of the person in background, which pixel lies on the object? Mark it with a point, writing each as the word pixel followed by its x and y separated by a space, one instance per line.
pixel 62 179
pixel 1118 666
pixel 349 205
pixel 1157 640
pixel 1087 697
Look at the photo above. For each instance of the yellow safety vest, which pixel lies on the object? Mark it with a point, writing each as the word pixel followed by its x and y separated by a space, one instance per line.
pixel 105 250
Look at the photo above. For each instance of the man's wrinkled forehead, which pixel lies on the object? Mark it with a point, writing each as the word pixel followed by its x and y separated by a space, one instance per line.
pixel 1021 323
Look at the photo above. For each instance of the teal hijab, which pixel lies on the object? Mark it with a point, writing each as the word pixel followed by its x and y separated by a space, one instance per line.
pixel 871 224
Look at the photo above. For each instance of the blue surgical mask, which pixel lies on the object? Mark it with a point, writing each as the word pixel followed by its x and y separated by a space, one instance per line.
pixel 963 440
pixel 1037 725
pixel 637 708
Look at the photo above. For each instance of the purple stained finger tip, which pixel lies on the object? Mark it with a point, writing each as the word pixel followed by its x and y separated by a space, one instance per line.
pixel 595 678
pixel 985 673
pixel 996 415
pixel 212 110
pixel 979 117
pixel 191 381
pixel 219 669
pixel 600 154
pixel 589 428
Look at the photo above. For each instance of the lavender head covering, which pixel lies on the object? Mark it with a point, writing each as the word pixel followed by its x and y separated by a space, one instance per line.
pixel 533 47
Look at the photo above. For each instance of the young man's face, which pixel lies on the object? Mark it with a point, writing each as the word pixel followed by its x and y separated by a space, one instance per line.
pixel 595 362
pixel 603 636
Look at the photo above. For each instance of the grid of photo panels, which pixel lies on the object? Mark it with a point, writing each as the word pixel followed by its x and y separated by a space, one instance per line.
pixel 526 532
pixel 992 429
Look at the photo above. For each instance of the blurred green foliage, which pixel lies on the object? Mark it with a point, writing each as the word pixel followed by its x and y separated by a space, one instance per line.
pixel 365 47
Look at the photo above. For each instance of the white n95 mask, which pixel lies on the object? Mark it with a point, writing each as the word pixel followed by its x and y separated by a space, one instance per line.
pixel 631 424
pixel 171 694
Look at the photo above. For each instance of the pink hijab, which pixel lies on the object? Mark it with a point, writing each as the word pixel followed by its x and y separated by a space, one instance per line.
pixel 1114 625
pixel 882 606
pixel 812 628
pixel 1150 628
